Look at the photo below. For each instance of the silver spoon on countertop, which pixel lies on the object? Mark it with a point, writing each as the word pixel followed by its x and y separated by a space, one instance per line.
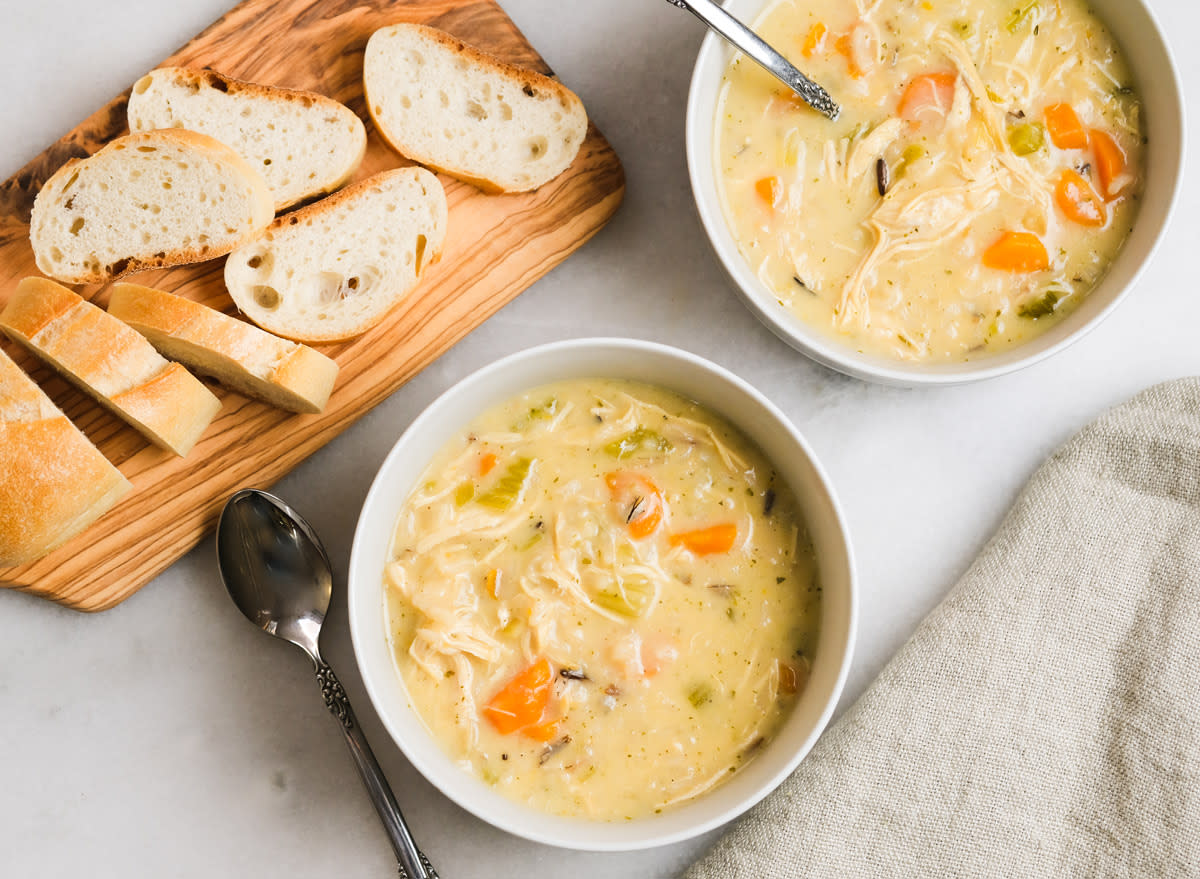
pixel 279 576
pixel 755 47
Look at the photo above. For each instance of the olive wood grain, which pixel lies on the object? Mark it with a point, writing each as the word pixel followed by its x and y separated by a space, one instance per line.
pixel 496 246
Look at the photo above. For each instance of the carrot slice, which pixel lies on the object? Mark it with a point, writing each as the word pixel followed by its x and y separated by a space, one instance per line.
pixel 707 541
pixel 544 731
pixel 845 47
pixel 1066 131
pixel 492 582
pixel 816 33
pixel 770 190
pixel 858 48
pixel 522 702
pixel 486 463
pixel 928 93
pixel 1110 164
pixel 657 655
pixel 1017 252
pixel 639 501
pixel 1078 200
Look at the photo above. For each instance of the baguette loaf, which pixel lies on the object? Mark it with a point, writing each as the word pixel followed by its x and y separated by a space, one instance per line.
pixel 111 362
pixel 285 374
pixel 303 144
pixel 456 109
pixel 146 200
pixel 53 481
pixel 332 270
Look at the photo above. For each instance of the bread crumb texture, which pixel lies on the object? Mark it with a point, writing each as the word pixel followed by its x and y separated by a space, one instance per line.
pixel 332 270
pixel 146 200
pixel 448 105
pixel 304 144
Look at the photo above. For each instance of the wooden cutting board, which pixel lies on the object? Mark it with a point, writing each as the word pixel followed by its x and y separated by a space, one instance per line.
pixel 496 246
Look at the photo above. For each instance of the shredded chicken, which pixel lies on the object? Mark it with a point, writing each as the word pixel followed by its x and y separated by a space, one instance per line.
pixel 912 220
pixel 867 151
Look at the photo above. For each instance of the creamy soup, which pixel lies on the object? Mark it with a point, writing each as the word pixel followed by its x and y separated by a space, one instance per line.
pixel 984 172
pixel 601 600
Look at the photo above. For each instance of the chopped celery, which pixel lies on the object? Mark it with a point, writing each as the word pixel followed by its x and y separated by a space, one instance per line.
pixel 700 694
pixel 538 413
pixel 631 597
pixel 544 411
pixel 1044 306
pixel 1021 15
pixel 530 543
pixel 1027 138
pixel 641 439
pixel 507 490
pixel 911 153
pixel 464 493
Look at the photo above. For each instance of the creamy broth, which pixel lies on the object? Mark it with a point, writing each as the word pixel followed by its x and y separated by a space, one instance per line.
pixel 601 600
pixel 984 172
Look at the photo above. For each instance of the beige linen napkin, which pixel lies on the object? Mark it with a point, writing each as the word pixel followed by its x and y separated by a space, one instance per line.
pixel 1044 720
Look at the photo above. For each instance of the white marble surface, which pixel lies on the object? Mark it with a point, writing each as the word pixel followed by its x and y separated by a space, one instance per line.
pixel 167 737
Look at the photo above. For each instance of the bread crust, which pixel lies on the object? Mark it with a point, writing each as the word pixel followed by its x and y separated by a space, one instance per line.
pixel 55 482
pixel 205 77
pixel 523 78
pixel 249 360
pixel 110 362
pixel 262 207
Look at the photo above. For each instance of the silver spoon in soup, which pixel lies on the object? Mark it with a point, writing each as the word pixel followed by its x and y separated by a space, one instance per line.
pixel 746 40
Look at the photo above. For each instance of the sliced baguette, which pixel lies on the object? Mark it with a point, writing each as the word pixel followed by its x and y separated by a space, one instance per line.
pixel 332 270
pixel 303 144
pixel 456 109
pixel 253 362
pixel 111 362
pixel 55 482
pixel 146 200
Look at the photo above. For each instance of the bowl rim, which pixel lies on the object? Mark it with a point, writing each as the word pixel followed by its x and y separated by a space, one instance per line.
pixel 359 591
pixel 826 350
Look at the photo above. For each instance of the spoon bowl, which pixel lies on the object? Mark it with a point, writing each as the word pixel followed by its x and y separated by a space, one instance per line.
pixel 275 568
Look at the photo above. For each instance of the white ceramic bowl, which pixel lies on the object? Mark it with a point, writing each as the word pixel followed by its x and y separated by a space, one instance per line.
pixel 1158 83
pixel 721 392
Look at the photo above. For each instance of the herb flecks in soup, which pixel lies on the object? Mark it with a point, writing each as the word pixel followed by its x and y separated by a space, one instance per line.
pixel 983 175
pixel 601 600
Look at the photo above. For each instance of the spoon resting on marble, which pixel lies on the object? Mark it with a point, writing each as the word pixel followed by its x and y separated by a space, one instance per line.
pixel 279 576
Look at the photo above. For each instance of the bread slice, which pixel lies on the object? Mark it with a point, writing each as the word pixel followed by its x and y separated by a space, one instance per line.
pixel 55 482
pixel 111 362
pixel 303 144
pixel 285 374
pixel 456 109
pixel 332 270
pixel 146 200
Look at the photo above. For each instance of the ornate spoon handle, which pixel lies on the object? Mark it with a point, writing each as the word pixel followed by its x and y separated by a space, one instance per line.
pixel 758 49
pixel 413 864
pixel 425 863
